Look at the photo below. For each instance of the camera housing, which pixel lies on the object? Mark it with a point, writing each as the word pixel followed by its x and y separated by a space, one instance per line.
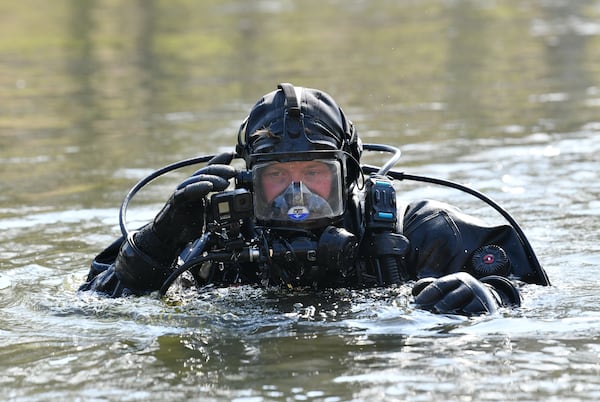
pixel 231 206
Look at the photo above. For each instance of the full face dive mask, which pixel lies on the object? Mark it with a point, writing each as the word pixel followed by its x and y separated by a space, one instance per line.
pixel 299 192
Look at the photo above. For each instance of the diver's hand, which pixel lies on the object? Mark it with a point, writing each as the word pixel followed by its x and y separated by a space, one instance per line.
pixel 146 259
pixel 182 218
pixel 461 293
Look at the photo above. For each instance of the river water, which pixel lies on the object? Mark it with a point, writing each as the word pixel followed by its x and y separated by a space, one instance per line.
pixel 503 96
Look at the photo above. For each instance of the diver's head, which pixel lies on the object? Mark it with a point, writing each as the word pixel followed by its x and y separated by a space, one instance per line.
pixel 304 156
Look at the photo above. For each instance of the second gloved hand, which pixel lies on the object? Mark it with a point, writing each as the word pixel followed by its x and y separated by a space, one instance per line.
pixel 461 293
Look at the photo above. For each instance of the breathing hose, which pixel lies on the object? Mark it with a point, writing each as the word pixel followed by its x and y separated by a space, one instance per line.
pixel 148 179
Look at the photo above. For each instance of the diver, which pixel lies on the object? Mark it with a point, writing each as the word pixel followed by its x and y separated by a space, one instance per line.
pixel 305 214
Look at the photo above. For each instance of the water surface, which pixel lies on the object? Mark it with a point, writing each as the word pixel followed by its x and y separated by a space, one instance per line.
pixel 503 96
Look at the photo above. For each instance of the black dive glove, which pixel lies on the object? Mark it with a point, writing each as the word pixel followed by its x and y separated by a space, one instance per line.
pixel 461 293
pixel 146 257
pixel 182 218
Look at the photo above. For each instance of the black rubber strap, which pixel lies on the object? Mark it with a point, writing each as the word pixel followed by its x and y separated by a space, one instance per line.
pixel 292 119
pixel 290 96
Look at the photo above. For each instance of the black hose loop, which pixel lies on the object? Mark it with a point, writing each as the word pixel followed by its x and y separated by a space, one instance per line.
pixel 157 173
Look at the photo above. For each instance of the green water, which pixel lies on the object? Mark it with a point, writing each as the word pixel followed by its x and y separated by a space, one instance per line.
pixel 501 95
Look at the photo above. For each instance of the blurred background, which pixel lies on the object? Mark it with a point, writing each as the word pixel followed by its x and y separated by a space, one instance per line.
pixel 95 94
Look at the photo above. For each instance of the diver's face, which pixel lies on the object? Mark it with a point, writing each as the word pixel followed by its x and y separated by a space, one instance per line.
pixel 315 175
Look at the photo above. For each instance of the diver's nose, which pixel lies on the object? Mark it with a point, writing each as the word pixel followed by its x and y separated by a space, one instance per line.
pixel 296 176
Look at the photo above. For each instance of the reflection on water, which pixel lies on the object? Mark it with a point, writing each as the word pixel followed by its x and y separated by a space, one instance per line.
pixel 96 94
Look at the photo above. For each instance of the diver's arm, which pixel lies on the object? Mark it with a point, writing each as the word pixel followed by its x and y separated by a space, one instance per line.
pixel 443 246
pixel 145 258
pixel 132 270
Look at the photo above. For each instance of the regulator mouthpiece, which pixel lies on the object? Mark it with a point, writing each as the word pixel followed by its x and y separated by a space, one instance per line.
pixel 298 203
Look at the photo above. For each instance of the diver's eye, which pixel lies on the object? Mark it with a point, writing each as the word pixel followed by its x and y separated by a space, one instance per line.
pixel 275 175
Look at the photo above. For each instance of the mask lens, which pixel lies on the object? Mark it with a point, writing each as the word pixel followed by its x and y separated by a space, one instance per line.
pixel 298 191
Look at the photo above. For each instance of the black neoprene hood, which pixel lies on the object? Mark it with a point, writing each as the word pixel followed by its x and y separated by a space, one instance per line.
pixel 294 120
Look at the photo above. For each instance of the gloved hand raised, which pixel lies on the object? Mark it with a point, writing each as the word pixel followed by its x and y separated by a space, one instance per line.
pixel 145 259
pixel 182 218
pixel 461 293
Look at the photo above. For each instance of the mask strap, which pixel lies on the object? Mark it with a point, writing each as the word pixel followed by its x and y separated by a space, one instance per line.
pixel 291 101
pixel 292 118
